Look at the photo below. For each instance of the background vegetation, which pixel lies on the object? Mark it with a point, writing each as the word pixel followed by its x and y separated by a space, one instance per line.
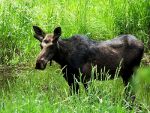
pixel 100 20
pixel 23 89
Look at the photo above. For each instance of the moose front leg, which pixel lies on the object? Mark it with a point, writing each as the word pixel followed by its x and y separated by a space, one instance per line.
pixel 86 74
pixel 73 83
pixel 74 88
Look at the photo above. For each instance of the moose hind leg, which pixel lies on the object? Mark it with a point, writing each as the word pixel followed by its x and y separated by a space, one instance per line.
pixel 129 93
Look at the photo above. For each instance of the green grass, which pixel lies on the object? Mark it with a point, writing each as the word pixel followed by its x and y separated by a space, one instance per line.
pixel 32 91
pixel 100 20
pixel 25 90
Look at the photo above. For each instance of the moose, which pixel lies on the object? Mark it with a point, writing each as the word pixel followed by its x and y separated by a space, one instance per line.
pixel 78 55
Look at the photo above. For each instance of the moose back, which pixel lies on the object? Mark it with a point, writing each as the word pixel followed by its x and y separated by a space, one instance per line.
pixel 77 56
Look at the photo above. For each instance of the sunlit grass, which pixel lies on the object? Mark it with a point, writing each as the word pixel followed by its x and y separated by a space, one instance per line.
pixel 30 91
pixel 100 20
pixel 47 91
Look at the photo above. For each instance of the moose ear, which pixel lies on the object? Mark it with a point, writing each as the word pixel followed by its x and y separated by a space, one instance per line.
pixel 57 32
pixel 39 33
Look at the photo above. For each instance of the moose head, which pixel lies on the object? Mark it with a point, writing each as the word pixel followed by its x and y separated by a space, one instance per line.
pixel 48 44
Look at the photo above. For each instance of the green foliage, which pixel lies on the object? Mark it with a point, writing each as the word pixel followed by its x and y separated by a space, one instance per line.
pixel 99 20
pixel 32 91
pixel 142 84
pixel 47 92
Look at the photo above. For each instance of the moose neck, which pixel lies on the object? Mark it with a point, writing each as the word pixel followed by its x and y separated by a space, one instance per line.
pixel 62 53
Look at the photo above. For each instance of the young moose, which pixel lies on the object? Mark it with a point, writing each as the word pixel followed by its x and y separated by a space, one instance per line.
pixel 78 54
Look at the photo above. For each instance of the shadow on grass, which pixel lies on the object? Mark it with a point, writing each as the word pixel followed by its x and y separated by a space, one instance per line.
pixel 8 75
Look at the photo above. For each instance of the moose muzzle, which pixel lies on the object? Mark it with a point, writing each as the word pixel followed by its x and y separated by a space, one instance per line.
pixel 40 64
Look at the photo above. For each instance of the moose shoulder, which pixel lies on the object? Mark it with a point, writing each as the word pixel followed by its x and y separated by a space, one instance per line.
pixel 78 54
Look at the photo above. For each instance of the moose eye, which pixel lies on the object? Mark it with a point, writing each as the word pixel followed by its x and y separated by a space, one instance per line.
pixel 46 41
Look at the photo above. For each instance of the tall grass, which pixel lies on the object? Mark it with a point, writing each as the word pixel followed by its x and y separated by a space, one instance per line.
pixel 99 20
pixel 47 92
pixel 35 91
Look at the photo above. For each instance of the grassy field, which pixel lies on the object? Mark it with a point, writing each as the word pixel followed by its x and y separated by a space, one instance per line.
pixel 99 20
pixel 26 90
pixel 32 91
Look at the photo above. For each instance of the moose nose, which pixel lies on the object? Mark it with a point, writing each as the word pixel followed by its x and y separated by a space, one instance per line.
pixel 40 64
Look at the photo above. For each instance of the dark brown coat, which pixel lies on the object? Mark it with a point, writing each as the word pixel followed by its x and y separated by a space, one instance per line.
pixel 78 54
